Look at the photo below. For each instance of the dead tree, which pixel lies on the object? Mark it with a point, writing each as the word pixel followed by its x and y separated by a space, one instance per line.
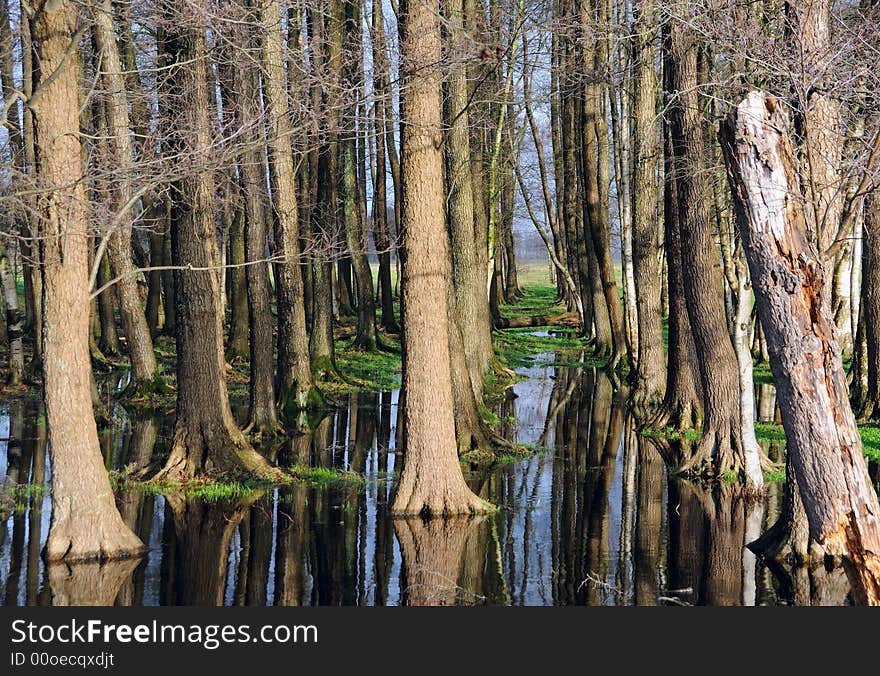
pixel 793 300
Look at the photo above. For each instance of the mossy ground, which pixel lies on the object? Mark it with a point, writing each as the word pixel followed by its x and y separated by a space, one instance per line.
pixel 769 433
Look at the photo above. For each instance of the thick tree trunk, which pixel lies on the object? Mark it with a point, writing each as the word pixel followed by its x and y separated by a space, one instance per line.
pixel 793 301
pixel 206 436
pixel 595 180
pixel 720 449
pixel 682 403
pixel 85 521
pixel 650 373
pixel 431 482
pixel 469 281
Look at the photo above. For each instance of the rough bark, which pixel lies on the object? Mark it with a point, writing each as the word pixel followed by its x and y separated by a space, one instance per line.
pixel 650 374
pixel 206 436
pixel 138 341
pixel 469 281
pixel 262 416
pixel 682 406
pixel 295 389
pixel 431 482
pixel 85 522
pixel 720 448
pixel 594 165
pixel 793 300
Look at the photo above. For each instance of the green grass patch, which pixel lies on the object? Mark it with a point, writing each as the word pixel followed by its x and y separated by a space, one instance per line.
pixel 517 348
pixel 325 476
pixel 537 300
pixel 377 371
pixel 670 433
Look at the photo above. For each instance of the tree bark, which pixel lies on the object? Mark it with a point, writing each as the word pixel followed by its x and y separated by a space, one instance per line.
pixel 138 342
pixel 380 193
pixel 85 522
pixel 295 390
pixel 355 228
pixel 262 416
pixel 866 360
pixel 793 301
pixel 431 483
pixel 650 374
pixel 205 436
pixel 469 281
pixel 720 448
pixel 682 403
pixel 14 319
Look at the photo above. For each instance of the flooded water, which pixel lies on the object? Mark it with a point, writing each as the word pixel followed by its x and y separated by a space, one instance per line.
pixel 593 518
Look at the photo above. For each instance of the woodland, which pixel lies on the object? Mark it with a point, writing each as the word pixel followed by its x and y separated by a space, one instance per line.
pixel 240 213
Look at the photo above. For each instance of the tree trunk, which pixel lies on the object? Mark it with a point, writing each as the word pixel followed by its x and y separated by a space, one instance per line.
pixel 720 449
pixel 594 165
pixel 650 374
pixel 793 301
pixel 431 482
pixel 469 281
pixel 682 403
pixel 295 376
pixel 321 347
pixel 138 342
pixel 237 344
pixel 355 228
pixel 205 436
pixel 14 319
pixel 380 196
pixel 85 522
pixel 868 404
pixel 109 345
pixel 262 416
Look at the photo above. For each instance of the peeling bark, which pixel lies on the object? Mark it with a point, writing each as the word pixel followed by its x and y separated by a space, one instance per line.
pixel 793 300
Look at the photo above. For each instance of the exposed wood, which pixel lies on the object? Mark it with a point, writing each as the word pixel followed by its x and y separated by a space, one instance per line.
pixel 793 300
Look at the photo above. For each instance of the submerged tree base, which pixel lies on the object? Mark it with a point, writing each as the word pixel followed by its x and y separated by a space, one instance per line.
pixel 196 454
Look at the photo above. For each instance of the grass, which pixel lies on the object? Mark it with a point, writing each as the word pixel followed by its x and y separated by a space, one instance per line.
pixel 517 348
pixel 775 434
pixel 537 300
pixel 17 497
pixel 323 476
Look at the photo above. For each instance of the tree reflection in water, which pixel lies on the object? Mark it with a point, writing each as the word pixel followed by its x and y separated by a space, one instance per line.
pixel 595 517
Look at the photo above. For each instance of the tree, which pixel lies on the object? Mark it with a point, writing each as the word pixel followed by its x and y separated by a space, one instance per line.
pixel 794 304
pixel 262 416
pixel 431 482
pixel 721 447
pixel 295 377
pixel 85 522
pixel 205 434
pixel 647 235
pixel 138 341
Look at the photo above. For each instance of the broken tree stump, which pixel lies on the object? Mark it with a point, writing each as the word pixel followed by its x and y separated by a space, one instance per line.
pixel 793 301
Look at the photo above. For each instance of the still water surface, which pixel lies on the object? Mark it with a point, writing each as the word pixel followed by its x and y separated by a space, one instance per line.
pixel 594 518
